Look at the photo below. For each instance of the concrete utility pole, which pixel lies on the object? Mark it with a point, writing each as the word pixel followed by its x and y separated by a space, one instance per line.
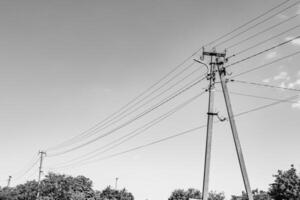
pixel 42 154
pixel 238 147
pixel 217 65
pixel 210 116
pixel 8 181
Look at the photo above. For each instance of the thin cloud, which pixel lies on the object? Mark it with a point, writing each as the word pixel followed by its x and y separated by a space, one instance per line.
pixel 298 10
pixel 282 16
pixel 294 42
pixel 271 55
pixel 296 105
pixel 282 76
pixel 282 84
pixel 267 80
pixel 294 84
pixel 291 85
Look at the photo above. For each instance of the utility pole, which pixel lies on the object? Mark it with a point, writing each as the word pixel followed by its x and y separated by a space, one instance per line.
pixel 116 183
pixel 217 65
pixel 238 147
pixel 8 181
pixel 42 154
pixel 210 115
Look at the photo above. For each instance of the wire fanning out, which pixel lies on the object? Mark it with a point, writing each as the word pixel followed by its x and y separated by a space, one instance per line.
pixel 265 85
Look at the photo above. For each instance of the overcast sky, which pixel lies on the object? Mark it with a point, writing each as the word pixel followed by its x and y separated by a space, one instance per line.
pixel 66 65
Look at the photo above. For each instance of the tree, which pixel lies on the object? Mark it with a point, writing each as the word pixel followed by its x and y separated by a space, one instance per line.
pixel 7 194
pixel 57 186
pixel 27 191
pixel 178 194
pixel 286 185
pixel 111 194
pixel 257 195
pixel 181 194
pixel 216 195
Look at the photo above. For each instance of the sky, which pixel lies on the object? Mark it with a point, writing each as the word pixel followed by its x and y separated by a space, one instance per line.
pixel 68 64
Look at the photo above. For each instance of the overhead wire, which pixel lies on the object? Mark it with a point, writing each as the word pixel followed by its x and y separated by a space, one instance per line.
pixel 131 120
pixel 257 96
pixel 262 42
pixel 117 142
pixel 266 64
pixel 263 31
pixel 124 113
pixel 267 105
pixel 248 22
pixel 187 131
pixel 136 107
pixel 26 171
pixel 264 85
pixel 257 24
pixel 263 51
pixel 160 80
pixel 133 100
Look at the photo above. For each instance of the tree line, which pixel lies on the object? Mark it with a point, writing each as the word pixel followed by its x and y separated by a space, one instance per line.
pixel 62 187
pixel 286 186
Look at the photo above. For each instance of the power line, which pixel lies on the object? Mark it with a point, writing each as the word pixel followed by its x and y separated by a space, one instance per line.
pixel 131 120
pixel 263 31
pixel 28 164
pixel 130 102
pixel 267 106
pixel 112 120
pixel 189 131
pixel 63 144
pixel 132 134
pixel 160 80
pixel 267 64
pixel 264 51
pixel 146 145
pixel 245 24
pixel 124 115
pixel 264 85
pixel 262 42
pixel 261 22
pixel 21 173
pixel 256 96
pixel 27 170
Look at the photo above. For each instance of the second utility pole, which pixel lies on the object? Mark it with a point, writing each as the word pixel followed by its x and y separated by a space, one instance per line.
pixel 116 183
pixel 8 181
pixel 42 154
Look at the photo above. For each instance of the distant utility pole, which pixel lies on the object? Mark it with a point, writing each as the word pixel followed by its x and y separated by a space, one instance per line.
pixel 8 181
pixel 116 183
pixel 42 154
pixel 217 65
